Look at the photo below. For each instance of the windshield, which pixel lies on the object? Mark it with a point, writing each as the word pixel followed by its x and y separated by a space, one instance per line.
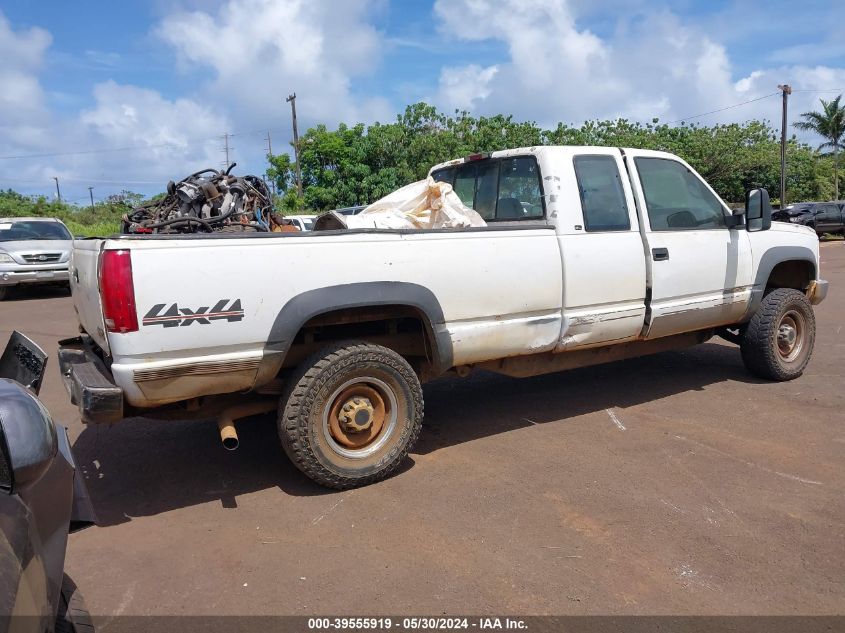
pixel 32 230
pixel 308 223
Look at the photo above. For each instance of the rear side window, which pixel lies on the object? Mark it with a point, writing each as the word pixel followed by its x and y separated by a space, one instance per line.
pixel 677 199
pixel 499 189
pixel 602 196
pixel 465 183
pixel 520 197
pixel 444 175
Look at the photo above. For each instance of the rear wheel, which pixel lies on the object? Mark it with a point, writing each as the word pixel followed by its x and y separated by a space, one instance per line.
pixel 350 414
pixel 778 341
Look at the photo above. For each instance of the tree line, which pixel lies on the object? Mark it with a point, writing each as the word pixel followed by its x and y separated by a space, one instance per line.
pixel 357 164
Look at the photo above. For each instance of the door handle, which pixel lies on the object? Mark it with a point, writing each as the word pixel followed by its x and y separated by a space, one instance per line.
pixel 660 254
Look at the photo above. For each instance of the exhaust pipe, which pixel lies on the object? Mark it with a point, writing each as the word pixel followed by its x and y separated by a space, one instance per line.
pixel 226 421
pixel 228 434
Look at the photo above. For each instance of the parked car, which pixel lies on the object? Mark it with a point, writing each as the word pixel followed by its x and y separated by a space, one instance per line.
pixel 590 254
pixel 33 251
pixel 799 208
pixel 822 217
pixel 42 499
pixel 302 222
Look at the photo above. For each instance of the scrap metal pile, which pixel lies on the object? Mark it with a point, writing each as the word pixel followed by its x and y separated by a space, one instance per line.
pixel 205 202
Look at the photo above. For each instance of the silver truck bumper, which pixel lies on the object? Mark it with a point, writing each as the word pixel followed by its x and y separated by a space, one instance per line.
pixel 817 291
pixel 15 277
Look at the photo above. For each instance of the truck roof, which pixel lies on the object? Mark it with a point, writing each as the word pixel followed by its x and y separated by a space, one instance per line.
pixel 538 150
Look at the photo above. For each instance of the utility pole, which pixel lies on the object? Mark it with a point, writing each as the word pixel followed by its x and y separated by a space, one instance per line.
pixel 91 193
pixel 269 144
pixel 226 149
pixel 786 89
pixel 292 100
pixel 58 193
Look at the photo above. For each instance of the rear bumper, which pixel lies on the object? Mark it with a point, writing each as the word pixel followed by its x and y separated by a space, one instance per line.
pixel 89 382
pixel 15 277
pixel 817 291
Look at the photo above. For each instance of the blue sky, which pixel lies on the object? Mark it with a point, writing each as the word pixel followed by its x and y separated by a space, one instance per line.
pixel 168 78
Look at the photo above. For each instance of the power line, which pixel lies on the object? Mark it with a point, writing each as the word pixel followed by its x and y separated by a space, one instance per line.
pixel 96 180
pixel 736 105
pixel 131 148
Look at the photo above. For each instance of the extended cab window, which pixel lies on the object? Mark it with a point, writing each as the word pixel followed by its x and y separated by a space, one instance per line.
pixel 677 199
pixel 520 197
pixel 602 196
pixel 499 189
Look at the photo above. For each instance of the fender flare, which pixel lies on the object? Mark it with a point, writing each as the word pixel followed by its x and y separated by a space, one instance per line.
pixel 307 305
pixel 771 258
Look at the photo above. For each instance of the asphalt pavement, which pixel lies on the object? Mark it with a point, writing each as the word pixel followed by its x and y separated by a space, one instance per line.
pixel 672 484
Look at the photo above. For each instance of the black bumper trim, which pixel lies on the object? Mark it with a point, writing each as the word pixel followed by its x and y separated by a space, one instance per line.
pixel 89 382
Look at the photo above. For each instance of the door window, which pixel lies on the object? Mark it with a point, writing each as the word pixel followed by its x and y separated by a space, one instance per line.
pixel 677 199
pixel 602 196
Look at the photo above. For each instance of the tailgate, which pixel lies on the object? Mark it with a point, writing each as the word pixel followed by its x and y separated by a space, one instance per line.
pixel 85 285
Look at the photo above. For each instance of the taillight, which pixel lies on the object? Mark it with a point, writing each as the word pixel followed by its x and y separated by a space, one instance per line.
pixel 117 291
pixel 479 156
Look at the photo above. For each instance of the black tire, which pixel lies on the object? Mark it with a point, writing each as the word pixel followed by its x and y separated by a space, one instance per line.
pixel 350 379
pixel 72 616
pixel 778 341
pixel 4 292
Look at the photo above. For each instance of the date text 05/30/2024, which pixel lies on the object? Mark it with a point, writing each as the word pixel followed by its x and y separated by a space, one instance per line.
pixel 416 623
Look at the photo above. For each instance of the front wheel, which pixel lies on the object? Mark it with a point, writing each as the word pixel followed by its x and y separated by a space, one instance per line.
pixel 350 414
pixel 4 292
pixel 778 341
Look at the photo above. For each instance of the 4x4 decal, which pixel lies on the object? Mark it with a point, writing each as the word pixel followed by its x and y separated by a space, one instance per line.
pixel 175 316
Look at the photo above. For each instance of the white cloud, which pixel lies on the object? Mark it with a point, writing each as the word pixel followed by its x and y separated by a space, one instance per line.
pixel 21 98
pixel 652 64
pixel 260 51
pixel 167 135
pixel 461 87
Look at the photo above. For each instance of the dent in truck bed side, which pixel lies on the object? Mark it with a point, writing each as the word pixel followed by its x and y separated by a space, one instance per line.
pixel 303 307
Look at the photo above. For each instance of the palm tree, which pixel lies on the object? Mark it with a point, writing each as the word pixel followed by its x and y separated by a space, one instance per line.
pixel 830 124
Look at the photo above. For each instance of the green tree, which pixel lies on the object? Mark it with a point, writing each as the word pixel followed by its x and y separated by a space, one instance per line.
pixel 829 124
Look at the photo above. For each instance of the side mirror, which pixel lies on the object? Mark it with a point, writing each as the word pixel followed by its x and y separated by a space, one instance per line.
pixel 758 210
pixel 28 441
pixel 24 362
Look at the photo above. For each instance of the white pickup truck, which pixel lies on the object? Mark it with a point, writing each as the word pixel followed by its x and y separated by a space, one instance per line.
pixel 590 254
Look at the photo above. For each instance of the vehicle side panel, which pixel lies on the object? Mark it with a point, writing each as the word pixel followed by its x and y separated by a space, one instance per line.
pixel 499 290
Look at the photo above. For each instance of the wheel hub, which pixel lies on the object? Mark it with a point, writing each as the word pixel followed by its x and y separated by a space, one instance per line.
pixel 356 415
pixel 790 336
pixel 786 336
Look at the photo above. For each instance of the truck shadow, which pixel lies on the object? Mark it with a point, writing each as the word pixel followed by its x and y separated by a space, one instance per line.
pixel 144 467
pixel 27 292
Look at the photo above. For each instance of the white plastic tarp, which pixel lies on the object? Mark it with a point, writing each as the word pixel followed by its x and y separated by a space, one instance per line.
pixel 425 204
